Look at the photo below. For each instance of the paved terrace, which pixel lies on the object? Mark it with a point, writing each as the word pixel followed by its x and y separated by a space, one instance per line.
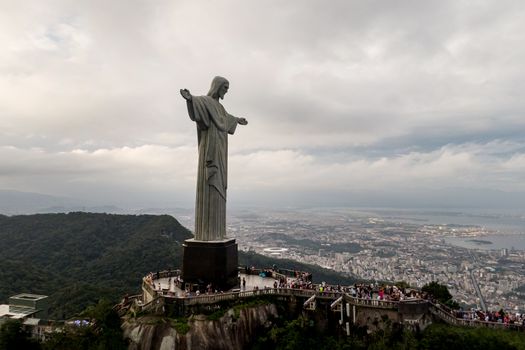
pixel 169 286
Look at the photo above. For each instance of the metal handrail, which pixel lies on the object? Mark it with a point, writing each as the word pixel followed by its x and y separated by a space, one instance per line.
pixel 452 319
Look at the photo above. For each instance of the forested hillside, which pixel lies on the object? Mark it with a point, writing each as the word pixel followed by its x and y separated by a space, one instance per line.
pixel 79 258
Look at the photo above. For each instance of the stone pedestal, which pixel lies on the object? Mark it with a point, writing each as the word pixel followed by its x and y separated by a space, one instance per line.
pixel 214 262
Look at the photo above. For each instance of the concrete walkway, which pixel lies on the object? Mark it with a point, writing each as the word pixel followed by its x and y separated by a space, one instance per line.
pixel 252 281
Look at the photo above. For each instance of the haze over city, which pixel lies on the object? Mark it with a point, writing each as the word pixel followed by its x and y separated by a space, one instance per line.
pixel 406 103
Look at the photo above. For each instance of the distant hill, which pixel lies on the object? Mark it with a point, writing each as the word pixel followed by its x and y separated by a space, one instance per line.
pixel 78 258
pixel 16 202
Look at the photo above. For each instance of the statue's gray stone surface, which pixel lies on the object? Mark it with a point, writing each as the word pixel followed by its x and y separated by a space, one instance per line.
pixel 213 126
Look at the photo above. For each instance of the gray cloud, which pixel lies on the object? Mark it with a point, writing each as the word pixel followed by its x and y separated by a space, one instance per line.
pixel 357 95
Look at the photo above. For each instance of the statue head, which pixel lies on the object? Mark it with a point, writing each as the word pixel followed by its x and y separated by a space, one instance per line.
pixel 219 87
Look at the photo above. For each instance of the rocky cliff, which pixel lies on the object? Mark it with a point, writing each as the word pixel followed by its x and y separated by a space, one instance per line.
pixel 234 330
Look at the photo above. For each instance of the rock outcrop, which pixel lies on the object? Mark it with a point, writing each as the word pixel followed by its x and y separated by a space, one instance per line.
pixel 234 330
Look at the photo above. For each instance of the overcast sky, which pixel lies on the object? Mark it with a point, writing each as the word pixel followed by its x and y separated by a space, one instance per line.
pixel 342 97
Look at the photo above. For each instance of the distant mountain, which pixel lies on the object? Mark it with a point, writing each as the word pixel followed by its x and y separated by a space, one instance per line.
pixel 26 203
pixel 443 198
pixel 16 202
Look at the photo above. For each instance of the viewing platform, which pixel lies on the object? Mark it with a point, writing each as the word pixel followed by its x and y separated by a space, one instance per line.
pixel 165 290
pixel 169 284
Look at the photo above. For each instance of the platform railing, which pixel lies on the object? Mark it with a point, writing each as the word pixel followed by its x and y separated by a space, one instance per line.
pixel 438 310
pixel 448 317
pixel 375 303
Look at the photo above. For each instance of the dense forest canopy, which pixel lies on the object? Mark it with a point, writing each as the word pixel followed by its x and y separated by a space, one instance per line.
pixel 78 258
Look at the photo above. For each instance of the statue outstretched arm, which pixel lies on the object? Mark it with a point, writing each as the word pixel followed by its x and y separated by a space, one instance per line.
pixel 191 112
pixel 186 94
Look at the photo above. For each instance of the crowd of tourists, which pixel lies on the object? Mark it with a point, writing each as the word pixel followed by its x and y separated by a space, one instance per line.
pixel 292 280
pixel 303 280
pixel 173 277
pixel 367 291
pixel 508 318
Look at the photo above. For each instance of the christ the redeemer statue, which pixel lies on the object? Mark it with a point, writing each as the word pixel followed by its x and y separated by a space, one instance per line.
pixel 213 126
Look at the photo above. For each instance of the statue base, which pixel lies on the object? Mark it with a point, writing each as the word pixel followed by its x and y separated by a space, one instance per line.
pixel 214 262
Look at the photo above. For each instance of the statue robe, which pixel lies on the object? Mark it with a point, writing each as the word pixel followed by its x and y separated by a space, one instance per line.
pixel 213 126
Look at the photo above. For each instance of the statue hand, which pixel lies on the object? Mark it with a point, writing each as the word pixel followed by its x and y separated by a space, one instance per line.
pixel 242 121
pixel 186 94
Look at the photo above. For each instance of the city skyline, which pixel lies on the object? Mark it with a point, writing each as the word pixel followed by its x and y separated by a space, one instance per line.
pixel 351 103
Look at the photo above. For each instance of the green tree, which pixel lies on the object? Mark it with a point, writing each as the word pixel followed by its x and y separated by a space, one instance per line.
pixel 102 333
pixel 106 324
pixel 441 293
pixel 13 336
pixel 444 337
